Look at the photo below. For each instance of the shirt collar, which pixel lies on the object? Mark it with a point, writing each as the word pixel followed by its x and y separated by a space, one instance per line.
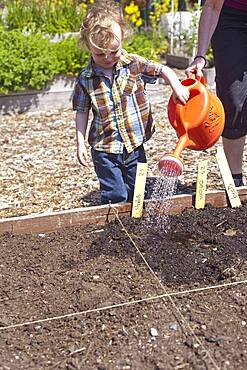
pixel 91 68
pixel 124 59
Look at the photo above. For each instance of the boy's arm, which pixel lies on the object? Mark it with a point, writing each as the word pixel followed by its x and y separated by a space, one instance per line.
pixel 153 69
pixel 180 92
pixel 81 127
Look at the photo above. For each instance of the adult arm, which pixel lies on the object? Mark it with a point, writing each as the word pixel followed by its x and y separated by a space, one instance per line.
pixel 81 127
pixel 207 24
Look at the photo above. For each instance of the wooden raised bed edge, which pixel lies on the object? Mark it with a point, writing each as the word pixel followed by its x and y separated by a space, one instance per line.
pixel 42 223
pixel 56 95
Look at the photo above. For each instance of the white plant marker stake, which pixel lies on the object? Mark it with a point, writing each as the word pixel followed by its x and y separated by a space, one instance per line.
pixel 201 184
pixel 227 178
pixel 140 182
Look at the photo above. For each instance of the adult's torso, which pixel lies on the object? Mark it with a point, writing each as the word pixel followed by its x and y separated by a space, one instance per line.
pixel 236 4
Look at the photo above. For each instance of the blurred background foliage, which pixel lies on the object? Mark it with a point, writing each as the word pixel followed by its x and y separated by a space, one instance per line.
pixel 57 16
pixel 29 57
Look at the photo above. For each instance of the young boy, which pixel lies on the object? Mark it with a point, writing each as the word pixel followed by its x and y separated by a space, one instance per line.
pixel 112 85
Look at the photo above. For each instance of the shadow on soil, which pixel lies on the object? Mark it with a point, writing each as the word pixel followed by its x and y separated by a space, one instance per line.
pixel 93 198
pixel 196 246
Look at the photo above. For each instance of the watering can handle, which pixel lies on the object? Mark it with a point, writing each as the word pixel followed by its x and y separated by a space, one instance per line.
pixel 196 88
pixel 200 79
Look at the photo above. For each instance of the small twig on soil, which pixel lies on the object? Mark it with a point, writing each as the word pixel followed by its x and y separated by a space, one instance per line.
pixel 77 351
pixel 182 366
pixel 71 354
pixel 87 353
pixel 221 223
pixel 18 169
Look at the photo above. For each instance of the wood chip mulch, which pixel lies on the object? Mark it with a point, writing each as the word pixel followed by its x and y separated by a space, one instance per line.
pixel 39 170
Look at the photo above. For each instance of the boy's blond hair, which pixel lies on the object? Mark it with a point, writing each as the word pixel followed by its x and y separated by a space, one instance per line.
pixel 96 28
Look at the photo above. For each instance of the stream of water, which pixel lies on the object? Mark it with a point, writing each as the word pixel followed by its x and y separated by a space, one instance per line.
pixel 157 208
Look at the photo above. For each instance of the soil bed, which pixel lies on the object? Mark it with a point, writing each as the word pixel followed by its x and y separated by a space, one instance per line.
pixel 82 268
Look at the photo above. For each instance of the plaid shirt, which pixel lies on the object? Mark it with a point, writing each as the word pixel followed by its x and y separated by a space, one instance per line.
pixel 121 109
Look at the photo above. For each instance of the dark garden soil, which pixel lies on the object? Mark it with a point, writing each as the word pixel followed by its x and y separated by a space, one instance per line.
pixel 77 269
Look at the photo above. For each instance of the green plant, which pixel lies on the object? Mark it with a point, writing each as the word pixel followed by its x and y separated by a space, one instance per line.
pixel 149 45
pixel 25 61
pixel 31 61
pixel 190 37
pixel 45 16
pixel 210 58
pixel 70 57
pixel 160 7
pixel 133 14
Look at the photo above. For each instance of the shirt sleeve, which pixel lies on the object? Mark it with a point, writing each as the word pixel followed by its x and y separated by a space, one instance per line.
pixel 149 70
pixel 81 101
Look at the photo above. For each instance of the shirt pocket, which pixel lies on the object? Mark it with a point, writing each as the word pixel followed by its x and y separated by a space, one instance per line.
pixel 134 85
pixel 101 102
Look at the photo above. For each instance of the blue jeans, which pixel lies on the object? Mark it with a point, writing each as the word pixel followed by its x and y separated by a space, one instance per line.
pixel 117 173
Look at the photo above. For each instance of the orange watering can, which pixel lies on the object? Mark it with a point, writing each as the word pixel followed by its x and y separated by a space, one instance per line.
pixel 199 124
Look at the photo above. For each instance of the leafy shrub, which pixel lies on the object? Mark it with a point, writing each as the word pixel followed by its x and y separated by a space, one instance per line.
pixel 44 15
pixel 25 61
pixel 149 45
pixel 70 57
pixel 31 61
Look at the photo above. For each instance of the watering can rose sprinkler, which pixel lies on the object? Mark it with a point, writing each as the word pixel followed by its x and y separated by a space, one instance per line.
pixel 198 124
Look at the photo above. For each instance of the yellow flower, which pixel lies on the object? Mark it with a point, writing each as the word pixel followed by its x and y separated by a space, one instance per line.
pixel 127 10
pixel 133 18
pixel 133 14
pixel 135 8
pixel 139 22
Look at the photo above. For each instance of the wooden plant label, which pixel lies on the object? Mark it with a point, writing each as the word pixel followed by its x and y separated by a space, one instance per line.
pixel 140 182
pixel 201 184
pixel 227 178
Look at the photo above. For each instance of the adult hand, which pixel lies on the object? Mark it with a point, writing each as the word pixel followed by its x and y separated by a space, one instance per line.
pixel 196 68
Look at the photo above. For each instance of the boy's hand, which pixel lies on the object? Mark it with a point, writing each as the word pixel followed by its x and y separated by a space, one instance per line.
pixel 181 94
pixel 82 155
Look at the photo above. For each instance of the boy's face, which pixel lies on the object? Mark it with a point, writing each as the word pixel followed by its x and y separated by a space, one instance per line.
pixel 109 60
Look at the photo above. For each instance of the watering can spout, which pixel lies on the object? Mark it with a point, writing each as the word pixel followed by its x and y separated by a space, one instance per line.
pixel 182 143
pixel 198 123
pixel 170 165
